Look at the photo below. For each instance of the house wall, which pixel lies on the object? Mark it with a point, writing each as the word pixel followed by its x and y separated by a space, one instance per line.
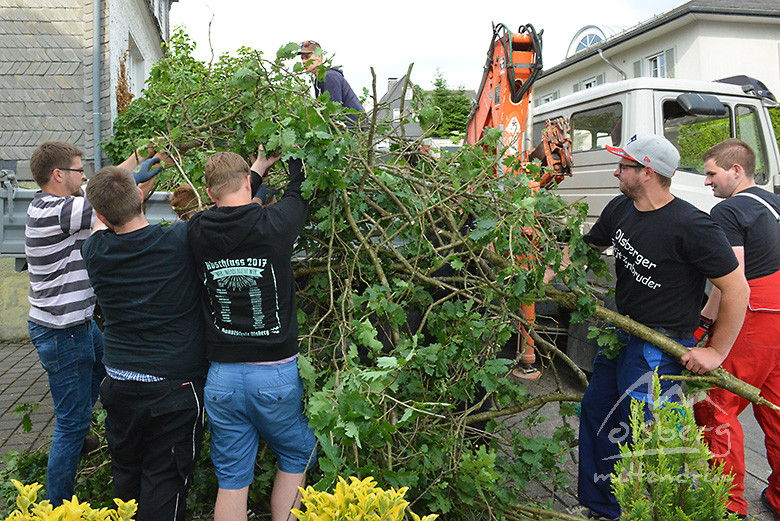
pixel 46 93
pixel 726 47
pixel 14 306
pixel 705 47
pixel 42 77
pixel 132 24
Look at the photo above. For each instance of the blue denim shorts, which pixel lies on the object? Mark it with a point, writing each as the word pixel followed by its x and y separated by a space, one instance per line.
pixel 247 402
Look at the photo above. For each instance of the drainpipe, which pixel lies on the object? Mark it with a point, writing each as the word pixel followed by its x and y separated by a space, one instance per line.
pixel 601 55
pixel 97 11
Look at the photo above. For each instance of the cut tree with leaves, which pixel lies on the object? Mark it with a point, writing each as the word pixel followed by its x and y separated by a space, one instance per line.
pixel 411 275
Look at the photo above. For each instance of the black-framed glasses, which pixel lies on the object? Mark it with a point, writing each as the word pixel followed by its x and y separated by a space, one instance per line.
pixel 622 166
pixel 79 170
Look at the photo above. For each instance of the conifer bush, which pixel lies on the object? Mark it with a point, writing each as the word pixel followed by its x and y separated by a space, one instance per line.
pixel 663 472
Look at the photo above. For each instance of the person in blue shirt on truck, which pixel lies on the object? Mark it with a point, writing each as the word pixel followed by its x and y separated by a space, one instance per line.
pixel 333 82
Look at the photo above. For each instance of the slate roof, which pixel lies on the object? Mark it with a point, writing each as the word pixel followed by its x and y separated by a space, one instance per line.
pixel 43 44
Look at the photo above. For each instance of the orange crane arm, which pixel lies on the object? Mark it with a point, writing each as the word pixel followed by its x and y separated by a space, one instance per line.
pixel 514 61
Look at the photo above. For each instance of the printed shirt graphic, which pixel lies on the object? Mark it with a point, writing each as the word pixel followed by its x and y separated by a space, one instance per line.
pixel 637 263
pixel 243 296
pixel 662 260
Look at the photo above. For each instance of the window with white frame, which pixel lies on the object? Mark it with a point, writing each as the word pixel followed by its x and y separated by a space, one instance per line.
pixel 547 98
pixel 658 65
pixel 589 83
pixel 135 68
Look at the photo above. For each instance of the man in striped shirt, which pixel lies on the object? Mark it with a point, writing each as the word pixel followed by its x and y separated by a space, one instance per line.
pixel 69 343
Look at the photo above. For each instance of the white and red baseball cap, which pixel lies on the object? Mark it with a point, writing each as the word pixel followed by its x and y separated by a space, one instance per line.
pixel 650 150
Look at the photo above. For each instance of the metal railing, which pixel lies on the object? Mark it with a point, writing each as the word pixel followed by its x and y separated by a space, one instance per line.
pixel 13 209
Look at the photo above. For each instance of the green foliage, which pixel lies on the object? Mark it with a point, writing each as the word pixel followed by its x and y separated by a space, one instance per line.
pixel 93 480
pixel 28 467
pixel 774 116
pixel 25 410
pixel 607 340
pixel 411 275
pixel 695 138
pixel 447 110
pixel 663 473
pixel 540 458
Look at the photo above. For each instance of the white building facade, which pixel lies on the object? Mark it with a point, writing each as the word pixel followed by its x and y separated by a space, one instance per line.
pixel 700 40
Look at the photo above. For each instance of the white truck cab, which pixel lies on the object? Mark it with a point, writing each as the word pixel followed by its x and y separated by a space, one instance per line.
pixel 693 115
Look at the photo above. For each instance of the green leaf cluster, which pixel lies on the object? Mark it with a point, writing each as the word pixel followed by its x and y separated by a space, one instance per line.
pixel 663 473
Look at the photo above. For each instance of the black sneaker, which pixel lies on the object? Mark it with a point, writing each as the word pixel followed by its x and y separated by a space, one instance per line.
pixel 729 513
pixel 592 514
pixel 91 442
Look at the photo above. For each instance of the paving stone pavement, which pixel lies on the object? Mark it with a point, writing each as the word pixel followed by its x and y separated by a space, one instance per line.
pixel 23 380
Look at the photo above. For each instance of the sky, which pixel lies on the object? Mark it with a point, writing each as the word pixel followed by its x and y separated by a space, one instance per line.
pixel 450 37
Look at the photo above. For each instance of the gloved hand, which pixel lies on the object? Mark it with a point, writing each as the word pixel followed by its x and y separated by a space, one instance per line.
pixel 265 194
pixel 705 324
pixel 146 170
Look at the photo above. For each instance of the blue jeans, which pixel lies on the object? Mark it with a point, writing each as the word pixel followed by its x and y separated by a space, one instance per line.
pixel 606 411
pixel 73 359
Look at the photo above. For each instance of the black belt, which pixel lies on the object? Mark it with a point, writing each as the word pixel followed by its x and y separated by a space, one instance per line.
pixel 674 333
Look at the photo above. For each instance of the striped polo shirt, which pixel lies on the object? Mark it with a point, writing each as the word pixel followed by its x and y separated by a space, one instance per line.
pixel 60 294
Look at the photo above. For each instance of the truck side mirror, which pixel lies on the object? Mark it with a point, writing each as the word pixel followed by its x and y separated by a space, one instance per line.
pixel 701 104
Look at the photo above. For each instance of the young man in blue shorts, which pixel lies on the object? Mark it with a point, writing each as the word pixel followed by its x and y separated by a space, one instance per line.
pixel 253 390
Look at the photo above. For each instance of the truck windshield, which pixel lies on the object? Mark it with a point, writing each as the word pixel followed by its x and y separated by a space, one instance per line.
pixel 596 128
pixel 749 130
pixel 693 135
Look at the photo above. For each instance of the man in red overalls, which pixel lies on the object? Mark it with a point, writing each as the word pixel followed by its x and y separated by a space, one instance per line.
pixel 750 217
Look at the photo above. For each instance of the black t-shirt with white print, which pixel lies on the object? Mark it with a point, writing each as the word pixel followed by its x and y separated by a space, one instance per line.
pixel 662 260
pixel 750 224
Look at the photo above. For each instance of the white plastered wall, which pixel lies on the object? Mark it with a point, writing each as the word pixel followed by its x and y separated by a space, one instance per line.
pixel 706 47
pixel 133 19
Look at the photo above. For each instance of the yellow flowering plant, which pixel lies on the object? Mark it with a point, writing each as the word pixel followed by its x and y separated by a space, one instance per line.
pixel 356 500
pixel 28 508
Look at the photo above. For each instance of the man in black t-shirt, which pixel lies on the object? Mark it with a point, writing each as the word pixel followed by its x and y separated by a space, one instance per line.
pixel 144 277
pixel 664 251
pixel 749 216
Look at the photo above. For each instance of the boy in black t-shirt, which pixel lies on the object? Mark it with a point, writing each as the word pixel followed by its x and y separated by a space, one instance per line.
pixel 750 218
pixel 664 250
pixel 145 280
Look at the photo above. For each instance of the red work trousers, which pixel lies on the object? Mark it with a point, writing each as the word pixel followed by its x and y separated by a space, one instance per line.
pixel 755 359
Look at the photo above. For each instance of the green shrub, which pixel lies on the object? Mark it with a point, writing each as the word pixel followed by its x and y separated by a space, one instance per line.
pixel 663 472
